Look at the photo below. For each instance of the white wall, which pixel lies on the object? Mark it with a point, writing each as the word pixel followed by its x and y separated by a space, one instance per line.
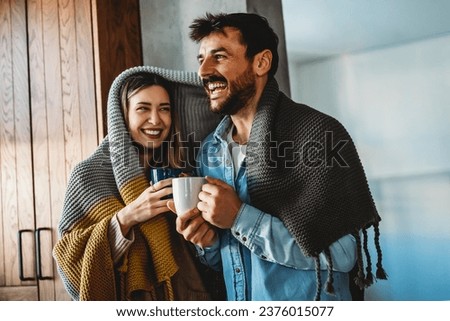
pixel 395 102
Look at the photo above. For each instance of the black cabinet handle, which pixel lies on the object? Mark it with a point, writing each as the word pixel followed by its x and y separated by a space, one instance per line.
pixel 19 237
pixel 37 235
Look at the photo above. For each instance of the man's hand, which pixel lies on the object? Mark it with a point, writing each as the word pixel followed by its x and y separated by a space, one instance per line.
pixel 194 228
pixel 219 203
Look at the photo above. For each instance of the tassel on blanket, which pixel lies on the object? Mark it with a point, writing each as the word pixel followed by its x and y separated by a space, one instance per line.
pixel 360 277
pixel 329 287
pixel 380 274
pixel 369 276
pixel 319 279
pixel 168 289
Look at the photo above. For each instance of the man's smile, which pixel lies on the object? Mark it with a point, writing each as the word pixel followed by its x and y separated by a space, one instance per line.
pixel 215 86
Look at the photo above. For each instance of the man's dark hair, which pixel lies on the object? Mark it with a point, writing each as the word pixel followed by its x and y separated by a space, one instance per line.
pixel 256 33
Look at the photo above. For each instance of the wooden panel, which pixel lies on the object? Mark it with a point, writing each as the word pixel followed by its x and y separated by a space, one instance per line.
pixel 70 116
pixel 7 145
pixel 25 204
pixel 118 44
pixel 5 100
pixel 39 111
pixel 69 73
pixel 17 201
pixel 86 78
pixel 88 140
pixel 55 160
pixel 41 38
pixel 22 293
pixel 39 96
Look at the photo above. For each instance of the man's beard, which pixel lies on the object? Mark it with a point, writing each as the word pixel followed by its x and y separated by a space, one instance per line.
pixel 242 90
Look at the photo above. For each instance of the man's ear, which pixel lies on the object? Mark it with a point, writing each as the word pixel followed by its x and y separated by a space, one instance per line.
pixel 262 62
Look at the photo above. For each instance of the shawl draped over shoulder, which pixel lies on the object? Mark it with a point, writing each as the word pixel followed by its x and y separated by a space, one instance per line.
pixel 303 167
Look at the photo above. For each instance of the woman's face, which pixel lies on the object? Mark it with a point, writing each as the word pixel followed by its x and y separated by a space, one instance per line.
pixel 149 117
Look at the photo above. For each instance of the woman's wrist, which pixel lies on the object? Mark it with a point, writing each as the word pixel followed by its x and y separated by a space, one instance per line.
pixel 124 221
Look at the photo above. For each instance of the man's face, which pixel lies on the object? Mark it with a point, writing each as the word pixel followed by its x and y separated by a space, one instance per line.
pixel 227 75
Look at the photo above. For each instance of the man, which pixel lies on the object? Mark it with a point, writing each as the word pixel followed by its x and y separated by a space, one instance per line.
pixel 282 208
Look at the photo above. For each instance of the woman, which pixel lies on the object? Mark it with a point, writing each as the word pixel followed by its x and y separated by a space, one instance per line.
pixel 117 239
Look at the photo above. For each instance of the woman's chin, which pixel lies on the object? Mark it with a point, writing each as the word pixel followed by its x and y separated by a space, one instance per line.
pixel 153 145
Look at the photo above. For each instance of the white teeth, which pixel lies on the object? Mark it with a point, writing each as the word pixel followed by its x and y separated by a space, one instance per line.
pixel 215 85
pixel 152 132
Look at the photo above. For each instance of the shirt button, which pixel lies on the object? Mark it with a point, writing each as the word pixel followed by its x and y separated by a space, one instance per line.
pixel 228 163
pixel 237 233
pixel 263 257
pixel 238 270
pixel 244 239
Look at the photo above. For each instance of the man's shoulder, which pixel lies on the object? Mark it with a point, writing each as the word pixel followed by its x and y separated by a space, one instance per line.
pixel 306 119
pixel 294 111
pixel 287 105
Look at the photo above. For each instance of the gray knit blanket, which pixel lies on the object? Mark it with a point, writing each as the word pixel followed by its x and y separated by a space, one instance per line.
pixel 303 167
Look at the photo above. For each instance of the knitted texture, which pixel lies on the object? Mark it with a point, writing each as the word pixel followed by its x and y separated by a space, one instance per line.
pixel 107 181
pixel 304 168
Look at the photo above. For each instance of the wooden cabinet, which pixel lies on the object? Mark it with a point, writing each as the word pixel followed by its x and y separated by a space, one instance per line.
pixel 54 80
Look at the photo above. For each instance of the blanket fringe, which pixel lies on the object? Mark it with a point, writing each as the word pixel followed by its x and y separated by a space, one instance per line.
pixel 381 273
pixel 319 279
pixel 329 287
pixel 360 277
pixel 365 280
pixel 168 289
pixel 368 281
pixel 362 280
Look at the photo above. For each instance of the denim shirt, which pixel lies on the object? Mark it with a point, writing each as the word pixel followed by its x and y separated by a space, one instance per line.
pixel 259 257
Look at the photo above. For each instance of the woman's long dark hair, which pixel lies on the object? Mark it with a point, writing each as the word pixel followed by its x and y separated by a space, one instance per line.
pixel 171 152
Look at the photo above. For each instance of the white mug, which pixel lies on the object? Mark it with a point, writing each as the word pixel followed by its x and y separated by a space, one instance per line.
pixel 185 192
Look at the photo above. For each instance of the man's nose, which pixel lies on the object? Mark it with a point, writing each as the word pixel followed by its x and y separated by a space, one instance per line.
pixel 206 68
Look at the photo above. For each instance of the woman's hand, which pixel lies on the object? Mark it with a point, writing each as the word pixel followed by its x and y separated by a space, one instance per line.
pixel 146 206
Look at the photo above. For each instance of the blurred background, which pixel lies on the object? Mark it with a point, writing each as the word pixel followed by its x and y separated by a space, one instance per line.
pixel 380 67
pixel 383 69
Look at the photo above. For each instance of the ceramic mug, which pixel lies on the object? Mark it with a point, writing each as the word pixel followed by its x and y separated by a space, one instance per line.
pixel 185 192
pixel 159 173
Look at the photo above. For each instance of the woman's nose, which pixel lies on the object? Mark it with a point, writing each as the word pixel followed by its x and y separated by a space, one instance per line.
pixel 154 118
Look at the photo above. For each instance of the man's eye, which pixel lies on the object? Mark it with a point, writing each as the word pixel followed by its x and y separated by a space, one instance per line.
pixel 218 57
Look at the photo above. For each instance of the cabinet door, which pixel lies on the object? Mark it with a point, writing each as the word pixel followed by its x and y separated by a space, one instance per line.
pixel 48 124
pixel 17 251
pixel 64 122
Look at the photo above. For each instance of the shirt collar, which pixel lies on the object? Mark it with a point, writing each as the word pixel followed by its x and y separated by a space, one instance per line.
pixel 220 134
